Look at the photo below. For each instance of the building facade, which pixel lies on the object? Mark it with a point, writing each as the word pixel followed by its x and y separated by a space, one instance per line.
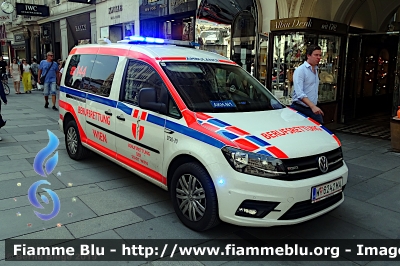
pixel 119 18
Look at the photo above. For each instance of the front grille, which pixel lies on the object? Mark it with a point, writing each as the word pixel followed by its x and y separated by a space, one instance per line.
pixel 306 208
pixel 307 167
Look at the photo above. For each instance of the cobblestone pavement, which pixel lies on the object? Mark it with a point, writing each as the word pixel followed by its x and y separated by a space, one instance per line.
pixel 112 203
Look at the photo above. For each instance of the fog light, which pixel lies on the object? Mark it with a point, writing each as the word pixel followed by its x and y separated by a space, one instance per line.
pixel 255 208
pixel 247 211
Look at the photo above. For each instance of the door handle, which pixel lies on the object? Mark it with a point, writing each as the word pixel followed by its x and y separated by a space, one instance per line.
pixel 120 117
pixel 168 131
pixel 108 113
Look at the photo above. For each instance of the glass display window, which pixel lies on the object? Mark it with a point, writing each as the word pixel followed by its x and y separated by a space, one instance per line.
pixel 289 52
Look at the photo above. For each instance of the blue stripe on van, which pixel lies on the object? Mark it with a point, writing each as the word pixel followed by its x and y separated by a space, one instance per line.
pixel 124 108
pixel 101 100
pixel 327 130
pixel 77 93
pixel 194 134
pixel 155 120
pixel 150 118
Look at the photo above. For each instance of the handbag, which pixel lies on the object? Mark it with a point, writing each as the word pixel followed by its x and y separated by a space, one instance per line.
pixel 42 78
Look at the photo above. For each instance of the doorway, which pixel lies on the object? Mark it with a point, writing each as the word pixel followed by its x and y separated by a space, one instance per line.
pixel 371 67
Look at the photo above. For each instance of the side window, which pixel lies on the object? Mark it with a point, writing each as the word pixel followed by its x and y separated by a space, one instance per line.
pixel 140 75
pixel 79 71
pixel 102 75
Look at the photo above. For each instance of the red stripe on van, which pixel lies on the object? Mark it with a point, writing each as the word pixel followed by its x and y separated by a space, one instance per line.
pixel 277 152
pixel 68 107
pixel 171 58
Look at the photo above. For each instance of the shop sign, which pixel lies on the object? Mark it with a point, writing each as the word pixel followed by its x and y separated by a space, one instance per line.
pixel 307 23
pixel 19 37
pixel 115 9
pixel 32 10
pixel 79 26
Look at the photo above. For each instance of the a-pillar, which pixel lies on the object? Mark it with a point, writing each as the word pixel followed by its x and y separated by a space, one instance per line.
pixel 93 28
pixel 64 38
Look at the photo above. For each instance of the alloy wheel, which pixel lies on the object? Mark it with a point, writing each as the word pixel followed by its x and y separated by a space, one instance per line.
pixel 72 140
pixel 191 197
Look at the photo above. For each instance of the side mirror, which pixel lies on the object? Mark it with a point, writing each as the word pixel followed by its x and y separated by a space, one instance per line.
pixel 148 100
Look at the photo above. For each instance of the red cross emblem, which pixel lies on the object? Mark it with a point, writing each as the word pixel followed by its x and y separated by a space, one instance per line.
pixel 137 129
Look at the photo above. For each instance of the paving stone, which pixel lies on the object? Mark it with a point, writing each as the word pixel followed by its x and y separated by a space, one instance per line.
pixel 375 185
pixel 122 182
pixel 22 156
pixel 52 232
pixel 73 191
pixel 10 176
pixel 368 216
pixel 110 234
pixel 389 199
pixel 4 158
pixel 9 188
pixel 10 203
pixel 342 230
pixel 94 175
pixel 14 166
pixel 16 143
pixel 358 194
pixel 151 229
pixel 386 162
pixel 160 208
pixel 31 128
pixel 103 223
pixel 358 174
pixel 123 198
pixel 142 213
pixel 12 150
pixel 20 223
pixel 354 153
pixel 392 175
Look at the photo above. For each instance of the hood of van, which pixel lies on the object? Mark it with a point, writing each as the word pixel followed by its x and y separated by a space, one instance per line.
pixel 284 130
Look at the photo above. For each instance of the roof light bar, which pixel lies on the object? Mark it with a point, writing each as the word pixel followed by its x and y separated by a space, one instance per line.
pixel 151 40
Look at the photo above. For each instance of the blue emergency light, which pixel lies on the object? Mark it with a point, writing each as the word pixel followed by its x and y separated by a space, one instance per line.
pixel 151 40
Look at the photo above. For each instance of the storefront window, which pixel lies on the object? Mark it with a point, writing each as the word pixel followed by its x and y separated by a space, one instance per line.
pixel 290 52
pixel 214 37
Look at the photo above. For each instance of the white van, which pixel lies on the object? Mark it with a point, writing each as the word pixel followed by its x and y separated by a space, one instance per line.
pixel 201 127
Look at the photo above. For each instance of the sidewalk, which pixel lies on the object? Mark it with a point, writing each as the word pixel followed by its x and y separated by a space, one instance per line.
pixel 112 203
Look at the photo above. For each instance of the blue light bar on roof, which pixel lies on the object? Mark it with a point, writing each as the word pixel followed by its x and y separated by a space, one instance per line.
pixel 151 40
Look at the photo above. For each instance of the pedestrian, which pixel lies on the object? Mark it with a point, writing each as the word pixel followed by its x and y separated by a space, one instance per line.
pixel 306 82
pixel 16 75
pixel 47 76
pixel 3 68
pixel 4 99
pixel 26 76
pixel 35 69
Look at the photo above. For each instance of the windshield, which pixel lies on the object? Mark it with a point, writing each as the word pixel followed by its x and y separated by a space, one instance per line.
pixel 215 88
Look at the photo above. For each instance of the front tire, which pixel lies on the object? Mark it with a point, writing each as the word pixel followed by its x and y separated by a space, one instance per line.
pixel 73 142
pixel 193 197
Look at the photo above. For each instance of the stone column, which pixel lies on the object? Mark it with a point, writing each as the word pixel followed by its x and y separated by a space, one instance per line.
pixel 64 38
pixel 27 37
pixel 93 27
pixel 36 37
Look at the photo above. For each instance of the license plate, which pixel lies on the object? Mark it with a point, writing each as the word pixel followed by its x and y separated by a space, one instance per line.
pixel 326 190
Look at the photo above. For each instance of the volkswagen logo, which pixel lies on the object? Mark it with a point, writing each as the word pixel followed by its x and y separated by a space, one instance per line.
pixel 323 164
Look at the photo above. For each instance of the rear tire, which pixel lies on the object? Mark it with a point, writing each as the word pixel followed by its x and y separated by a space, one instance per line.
pixel 73 142
pixel 193 197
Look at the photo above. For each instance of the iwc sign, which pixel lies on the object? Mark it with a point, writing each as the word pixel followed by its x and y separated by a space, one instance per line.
pixel 32 10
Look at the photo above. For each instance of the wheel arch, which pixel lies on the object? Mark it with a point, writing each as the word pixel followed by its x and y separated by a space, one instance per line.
pixel 67 117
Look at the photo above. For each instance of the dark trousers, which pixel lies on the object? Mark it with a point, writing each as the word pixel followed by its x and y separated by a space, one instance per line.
pixel 307 112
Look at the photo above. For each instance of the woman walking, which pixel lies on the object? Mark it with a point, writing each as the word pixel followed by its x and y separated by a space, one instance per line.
pixel 16 74
pixel 26 76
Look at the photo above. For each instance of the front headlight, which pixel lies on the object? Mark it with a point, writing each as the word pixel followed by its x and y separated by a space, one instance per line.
pixel 253 163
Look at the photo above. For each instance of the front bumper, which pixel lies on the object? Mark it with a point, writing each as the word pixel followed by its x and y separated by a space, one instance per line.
pixel 293 198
